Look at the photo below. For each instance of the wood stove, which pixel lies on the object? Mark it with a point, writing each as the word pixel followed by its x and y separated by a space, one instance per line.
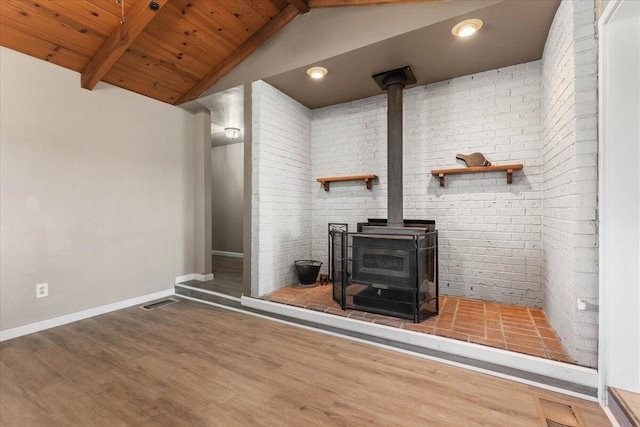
pixel 389 267
pixel 387 270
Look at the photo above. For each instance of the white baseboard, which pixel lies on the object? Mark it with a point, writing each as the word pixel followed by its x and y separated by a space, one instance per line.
pixel 74 317
pixel 194 276
pixel 229 254
pixel 562 371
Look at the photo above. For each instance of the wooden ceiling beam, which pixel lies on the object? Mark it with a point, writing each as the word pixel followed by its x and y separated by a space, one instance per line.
pixel 336 3
pixel 120 39
pixel 240 54
pixel 278 4
pixel 301 5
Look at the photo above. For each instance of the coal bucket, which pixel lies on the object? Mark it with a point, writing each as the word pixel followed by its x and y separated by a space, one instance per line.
pixel 307 271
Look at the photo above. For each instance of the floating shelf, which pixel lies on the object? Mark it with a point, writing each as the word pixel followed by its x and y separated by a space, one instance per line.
pixel 366 178
pixel 440 173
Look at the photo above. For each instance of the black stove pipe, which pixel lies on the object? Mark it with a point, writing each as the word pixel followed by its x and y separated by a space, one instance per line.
pixel 394 85
pixel 393 82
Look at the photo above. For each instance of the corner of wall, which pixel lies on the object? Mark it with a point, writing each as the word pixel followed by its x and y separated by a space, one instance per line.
pixel 569 120
pixel 281 198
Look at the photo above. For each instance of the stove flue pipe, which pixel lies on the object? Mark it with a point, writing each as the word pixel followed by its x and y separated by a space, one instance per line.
pixel 395 198
pixel 394 82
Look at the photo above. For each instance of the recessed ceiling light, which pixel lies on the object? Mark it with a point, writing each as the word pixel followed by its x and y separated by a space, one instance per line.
pixel 232 133
pixel 317 72
pixel 467 27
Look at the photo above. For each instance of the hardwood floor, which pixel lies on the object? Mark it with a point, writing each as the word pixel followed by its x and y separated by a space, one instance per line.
pixel 188 364
pixel 227 273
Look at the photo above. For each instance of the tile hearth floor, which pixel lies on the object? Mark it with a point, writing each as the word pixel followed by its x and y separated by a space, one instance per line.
pixel 509 327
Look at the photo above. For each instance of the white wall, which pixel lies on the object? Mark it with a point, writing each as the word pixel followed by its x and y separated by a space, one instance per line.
pixel 281 200
pixel 227 172
pixel 96 192
pixel 620 196
pixel 348 139
pixel 489 231
pixel 569 117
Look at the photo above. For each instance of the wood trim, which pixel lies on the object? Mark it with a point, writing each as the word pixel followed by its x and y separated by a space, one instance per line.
pixel 301 5
pixel 278 4
pixel 246 49
pixel 118 42
pixel 338 3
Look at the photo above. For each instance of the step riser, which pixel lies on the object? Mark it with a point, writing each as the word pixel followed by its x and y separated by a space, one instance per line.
pixel 619 411
pixel 208 297
pixel 570 388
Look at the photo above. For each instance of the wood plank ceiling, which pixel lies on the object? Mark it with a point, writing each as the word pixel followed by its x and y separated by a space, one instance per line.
pixel 173 53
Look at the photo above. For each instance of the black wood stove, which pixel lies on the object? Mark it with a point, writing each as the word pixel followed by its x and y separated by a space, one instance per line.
pixel 385 270
pixel 388 267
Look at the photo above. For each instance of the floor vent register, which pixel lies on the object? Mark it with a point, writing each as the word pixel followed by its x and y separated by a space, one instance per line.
pixel 160 303
pixel 557 414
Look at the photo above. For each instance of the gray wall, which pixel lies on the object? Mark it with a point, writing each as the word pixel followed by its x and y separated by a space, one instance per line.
pixel 96 192
pixel 227 171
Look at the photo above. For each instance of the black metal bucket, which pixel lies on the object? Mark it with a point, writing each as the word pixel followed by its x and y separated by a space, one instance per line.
pixel 307 271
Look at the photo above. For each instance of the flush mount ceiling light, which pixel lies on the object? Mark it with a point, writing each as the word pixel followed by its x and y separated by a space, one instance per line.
pixel 232 132
pixel 467 27
pixel 317 72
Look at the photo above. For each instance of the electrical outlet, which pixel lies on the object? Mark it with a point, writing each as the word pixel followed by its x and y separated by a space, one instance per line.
pixel 582 305
pixel 42 290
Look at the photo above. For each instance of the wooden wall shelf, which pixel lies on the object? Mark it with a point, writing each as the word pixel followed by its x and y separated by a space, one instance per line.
pixel 366 178
pixel 440 173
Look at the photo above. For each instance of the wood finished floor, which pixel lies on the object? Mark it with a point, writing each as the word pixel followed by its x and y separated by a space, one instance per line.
pixel 508 327
pixel 188 364
pixel 227 277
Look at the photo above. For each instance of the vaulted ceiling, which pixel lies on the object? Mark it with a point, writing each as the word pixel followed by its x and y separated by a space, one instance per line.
pixel 170 50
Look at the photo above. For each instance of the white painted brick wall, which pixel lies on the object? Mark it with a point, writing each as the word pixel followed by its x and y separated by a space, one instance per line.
pixel 281 199
pixel 531 243
pixel 569 154
pixel 490 232
pixel 347 139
